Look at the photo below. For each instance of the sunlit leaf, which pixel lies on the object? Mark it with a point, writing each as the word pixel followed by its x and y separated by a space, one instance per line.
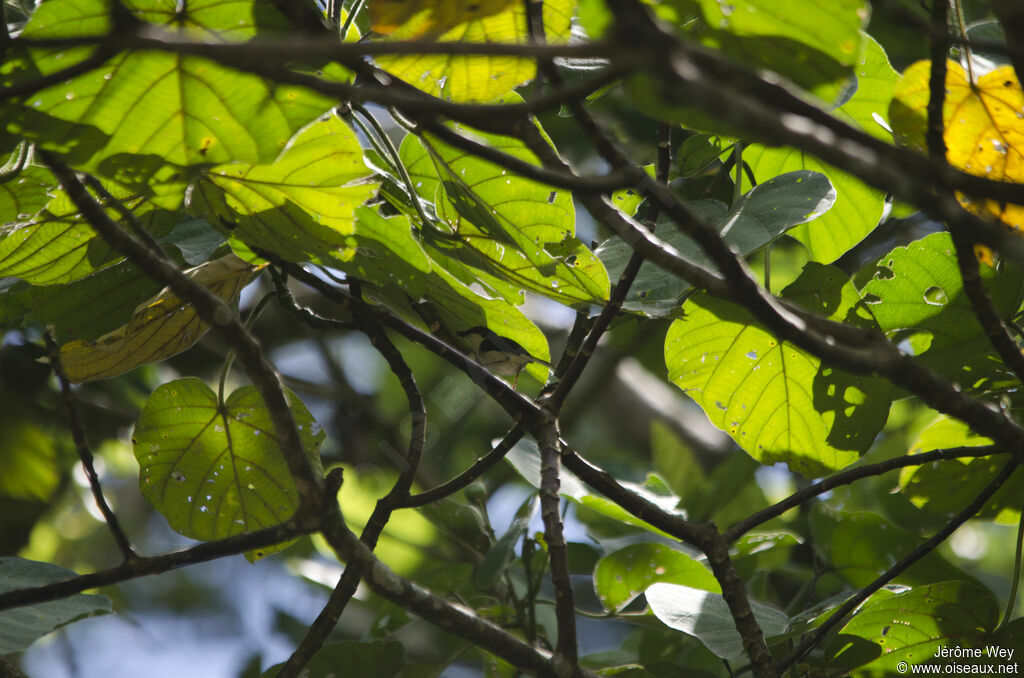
pixel 213 469
pixel 149 114
pixel 162 327
pixel 621 576
pixel 778 402
pixel 24 194
pixel 858 207
pixel 479 78
pixel 909 627
pixel 983 126
pixel 429 18
pixel 505 226
pixel 917 292
pixel 301 205
pixel 385 253
pixel 58 246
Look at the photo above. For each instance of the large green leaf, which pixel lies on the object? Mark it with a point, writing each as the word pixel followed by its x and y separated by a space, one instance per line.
pixel 21 626
pixel 504 227
pixel 858 207
pixel 706 616
pixel 917 291
pixel 215 470
pixel 621 576
pixel 946 487
pixel 480 78
pixel 910 627
pixel 778 402
pixel 759 217
pixel 149 113
pixel 300 206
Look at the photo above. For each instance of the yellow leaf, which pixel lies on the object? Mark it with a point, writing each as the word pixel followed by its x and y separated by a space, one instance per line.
pixel 158 329
pixel 429 18
pixel 983 125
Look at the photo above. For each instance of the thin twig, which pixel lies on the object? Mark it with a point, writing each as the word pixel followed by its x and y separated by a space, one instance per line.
pixel 478 468
pixel 84 453
pixel 849 476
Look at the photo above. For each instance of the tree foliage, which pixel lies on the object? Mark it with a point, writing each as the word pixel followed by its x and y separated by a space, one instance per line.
pixel 756 266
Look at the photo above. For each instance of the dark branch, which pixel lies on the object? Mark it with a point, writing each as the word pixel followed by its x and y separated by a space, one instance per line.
pixel 849 476
pixel 84 453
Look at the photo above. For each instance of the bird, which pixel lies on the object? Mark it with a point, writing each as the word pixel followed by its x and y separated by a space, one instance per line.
pixel 499 354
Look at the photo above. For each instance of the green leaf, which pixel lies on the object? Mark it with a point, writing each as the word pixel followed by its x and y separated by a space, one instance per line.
pixel 945 487
pixel 763 551
pixel 196 240
pixel 911 626
pixel 697 153
pixel 28 457
pixel 858 207
pixel 302 205
pixel 15 301
pixel 386 253
pixel 778 402
pixel 622 576
pixel 830 27
pixel 480 78
pixel 499 555
pixel 503 226
pixel 24 194
pixel 215 470
pixel 149 114
pixel 860 546
pixel 381 659
pixel 917 290
pixel 759 217
pixel 57 246
pixel 674 460
pixel 706 616
pixel 21 626
pixel 159 328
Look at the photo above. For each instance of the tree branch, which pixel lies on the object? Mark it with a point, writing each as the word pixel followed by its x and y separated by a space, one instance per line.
pixel 550 504
pixel 84 453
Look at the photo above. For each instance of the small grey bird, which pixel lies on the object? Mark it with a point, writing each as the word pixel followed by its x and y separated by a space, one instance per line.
pixel 499 354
